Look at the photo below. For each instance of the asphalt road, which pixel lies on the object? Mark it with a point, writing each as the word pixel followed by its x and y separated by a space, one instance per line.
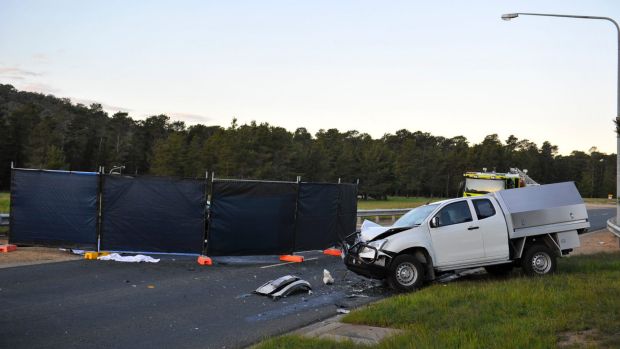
pixel 171 304
pixel 174 303
pixel 599 215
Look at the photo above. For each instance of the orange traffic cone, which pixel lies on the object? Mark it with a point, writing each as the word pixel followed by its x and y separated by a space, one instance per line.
pixel 7 248
pixel 204 260
pixel 332 252
pixel 291 258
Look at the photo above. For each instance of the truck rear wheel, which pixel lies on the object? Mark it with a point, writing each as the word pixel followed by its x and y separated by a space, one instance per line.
pixel 539 260
pixel 406 273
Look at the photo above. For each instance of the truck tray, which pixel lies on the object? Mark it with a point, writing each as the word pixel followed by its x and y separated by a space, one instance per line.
pixel 543 209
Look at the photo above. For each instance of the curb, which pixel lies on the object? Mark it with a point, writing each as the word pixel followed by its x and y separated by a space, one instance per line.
pixel 332 328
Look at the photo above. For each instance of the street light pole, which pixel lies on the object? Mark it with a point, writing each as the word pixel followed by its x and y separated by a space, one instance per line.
pixel 510 16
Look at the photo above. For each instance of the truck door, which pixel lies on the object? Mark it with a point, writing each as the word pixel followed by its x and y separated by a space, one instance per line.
pixel 456 238
pixel 492 226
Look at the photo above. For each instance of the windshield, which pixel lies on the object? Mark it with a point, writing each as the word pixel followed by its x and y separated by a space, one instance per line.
pixel 415 217
pixel 483 186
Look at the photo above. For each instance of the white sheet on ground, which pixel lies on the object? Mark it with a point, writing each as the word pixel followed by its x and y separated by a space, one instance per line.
pixel 128 259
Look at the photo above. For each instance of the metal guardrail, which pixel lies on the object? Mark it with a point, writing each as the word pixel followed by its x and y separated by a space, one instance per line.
pixel 394 212
pixel 4 219
pixel 387 212
pixel 613 226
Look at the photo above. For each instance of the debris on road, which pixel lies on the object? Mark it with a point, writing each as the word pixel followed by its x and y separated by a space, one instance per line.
pixel 270 286
pixel 354 295
pixel 295 287
pixel 284 286
pixel 128 259
pixel 327 277
pixel 343 311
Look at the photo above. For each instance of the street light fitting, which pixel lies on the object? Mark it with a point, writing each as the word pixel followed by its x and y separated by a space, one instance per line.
pixel 509 16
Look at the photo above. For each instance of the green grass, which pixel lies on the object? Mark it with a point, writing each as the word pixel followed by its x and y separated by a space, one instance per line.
pixel 5 202
pixel 410 202
pixel 600 201
pixel 394 202
pixel 391 202
pixel 517 312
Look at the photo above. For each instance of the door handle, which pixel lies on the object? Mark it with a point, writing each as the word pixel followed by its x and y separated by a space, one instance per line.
pixel 472 228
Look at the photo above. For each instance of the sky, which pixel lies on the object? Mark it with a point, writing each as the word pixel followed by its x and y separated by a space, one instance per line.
pixel 446 67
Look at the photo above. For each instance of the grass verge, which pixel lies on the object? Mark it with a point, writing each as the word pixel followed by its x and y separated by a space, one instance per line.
pixel 5 202
pixel 410 202
pixel 516 312
pixel 391 202
pixel 599 201
pixel 394 202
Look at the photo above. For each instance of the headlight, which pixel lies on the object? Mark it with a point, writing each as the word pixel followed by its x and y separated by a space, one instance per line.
pixel 369 252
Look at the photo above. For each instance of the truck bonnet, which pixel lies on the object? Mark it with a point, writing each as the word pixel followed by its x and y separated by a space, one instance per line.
pixel 378 232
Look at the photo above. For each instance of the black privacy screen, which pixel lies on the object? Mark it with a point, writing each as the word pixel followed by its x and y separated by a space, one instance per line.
pixel 252 218
pixel 317 216
pixel 54 208
pixel 153 214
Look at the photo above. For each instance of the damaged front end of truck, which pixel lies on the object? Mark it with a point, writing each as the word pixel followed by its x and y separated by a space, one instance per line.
pixel 367 258
pixel 372 251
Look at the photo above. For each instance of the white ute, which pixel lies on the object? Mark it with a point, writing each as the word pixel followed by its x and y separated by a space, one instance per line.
pixel 527 227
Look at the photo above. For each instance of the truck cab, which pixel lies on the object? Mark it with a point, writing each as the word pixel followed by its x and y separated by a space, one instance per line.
pixel 481 183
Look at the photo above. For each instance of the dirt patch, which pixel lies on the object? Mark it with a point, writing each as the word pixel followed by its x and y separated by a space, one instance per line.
pixel 33 255
pixel 578 339
pixel 597 241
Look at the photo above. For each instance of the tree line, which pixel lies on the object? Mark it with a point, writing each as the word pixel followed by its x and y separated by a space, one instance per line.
pixel 43 131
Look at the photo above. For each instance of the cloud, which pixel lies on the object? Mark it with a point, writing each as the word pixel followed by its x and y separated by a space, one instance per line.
pixel 189 117
pixel 17 73
pixel 47 89
pixel 106 107
pixel 38 87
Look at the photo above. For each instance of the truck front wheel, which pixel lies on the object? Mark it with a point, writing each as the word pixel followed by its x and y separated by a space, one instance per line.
pixel 538 260
pixel 406 273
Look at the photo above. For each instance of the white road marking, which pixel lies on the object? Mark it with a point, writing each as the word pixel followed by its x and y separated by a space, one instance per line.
pixel 279 264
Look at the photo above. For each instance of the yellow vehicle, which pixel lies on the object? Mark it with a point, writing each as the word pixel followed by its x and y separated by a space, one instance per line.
pixel 480 183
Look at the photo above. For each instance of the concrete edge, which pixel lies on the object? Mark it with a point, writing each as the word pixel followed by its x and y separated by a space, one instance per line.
pixel 600 205
pixel 334 329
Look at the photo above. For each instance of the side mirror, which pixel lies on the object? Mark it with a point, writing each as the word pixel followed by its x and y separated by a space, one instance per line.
pixel 434 222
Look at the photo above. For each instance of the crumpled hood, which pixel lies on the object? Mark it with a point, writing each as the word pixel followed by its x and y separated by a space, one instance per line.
pixel 371 230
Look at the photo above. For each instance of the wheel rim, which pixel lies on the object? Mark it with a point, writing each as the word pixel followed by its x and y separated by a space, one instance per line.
pixel 406 274
pixel 541 263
